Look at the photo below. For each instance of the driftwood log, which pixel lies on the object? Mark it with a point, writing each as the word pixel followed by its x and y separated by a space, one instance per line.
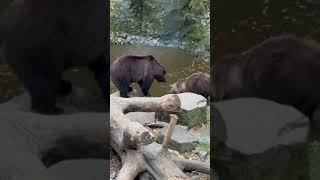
pixel 31 143
pixel 135 143
pixel 54 147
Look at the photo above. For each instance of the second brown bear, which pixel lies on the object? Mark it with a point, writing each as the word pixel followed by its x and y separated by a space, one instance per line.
pixel 198 83
pixel 136 69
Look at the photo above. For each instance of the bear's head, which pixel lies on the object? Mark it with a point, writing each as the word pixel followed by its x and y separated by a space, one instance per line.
pixel 158 70
pixel 178 87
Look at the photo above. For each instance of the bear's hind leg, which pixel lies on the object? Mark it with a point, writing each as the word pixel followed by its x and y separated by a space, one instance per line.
pixel 145 85
pixel 124 89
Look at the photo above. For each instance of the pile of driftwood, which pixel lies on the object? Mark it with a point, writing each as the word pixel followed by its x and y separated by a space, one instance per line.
pixel 140 155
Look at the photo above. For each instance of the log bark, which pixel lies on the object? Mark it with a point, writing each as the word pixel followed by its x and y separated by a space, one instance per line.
pixel 135 144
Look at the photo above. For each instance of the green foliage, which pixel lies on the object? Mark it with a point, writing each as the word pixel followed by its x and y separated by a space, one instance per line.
pixel 204 147
pixel 185 21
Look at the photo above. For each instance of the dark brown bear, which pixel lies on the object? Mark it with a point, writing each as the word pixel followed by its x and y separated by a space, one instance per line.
pixel 198 83
pixel 43 38
pixel 284 69
pixel 136 69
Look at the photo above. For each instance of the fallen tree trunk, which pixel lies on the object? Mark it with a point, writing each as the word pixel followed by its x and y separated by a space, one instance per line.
pixel 31 143
pixel 135 144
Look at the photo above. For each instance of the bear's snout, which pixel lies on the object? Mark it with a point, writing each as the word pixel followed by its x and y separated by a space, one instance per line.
pixel 162 79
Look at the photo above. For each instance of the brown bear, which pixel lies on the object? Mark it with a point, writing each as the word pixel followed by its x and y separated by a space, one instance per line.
pixel 42 39
pixel 285 69
pixel 136 69
pixel 198 83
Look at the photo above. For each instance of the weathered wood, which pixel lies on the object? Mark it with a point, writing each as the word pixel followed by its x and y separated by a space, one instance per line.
pixel 133 134
pixel 134 143
pixel 189 165
pixel 173 122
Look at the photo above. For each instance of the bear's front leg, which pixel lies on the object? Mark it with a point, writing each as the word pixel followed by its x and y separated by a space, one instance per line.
pixel 43 91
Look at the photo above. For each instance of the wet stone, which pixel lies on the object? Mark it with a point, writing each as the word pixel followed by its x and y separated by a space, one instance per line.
pixel 181 140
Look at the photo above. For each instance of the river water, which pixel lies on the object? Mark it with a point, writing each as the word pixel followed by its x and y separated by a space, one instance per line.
pixel 177 63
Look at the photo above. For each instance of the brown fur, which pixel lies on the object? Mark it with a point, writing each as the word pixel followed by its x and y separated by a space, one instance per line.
pixel 136 69
pixel 284 69
pixel 198 83
pixel 43 38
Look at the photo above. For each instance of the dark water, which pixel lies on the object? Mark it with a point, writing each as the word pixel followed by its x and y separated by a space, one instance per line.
pixel 177 63
pixel 242 24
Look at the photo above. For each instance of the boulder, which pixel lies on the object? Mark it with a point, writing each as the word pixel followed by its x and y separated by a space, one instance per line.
pixel 194 110
pixel 203 135
pixel 181 140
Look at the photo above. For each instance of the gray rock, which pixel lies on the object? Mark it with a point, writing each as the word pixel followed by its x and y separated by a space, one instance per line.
pixel 194 177
pixel 254 125
pixel 202 155
pixel 181 139
pixel 194 110
pixel 203 135
pixel 191 101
